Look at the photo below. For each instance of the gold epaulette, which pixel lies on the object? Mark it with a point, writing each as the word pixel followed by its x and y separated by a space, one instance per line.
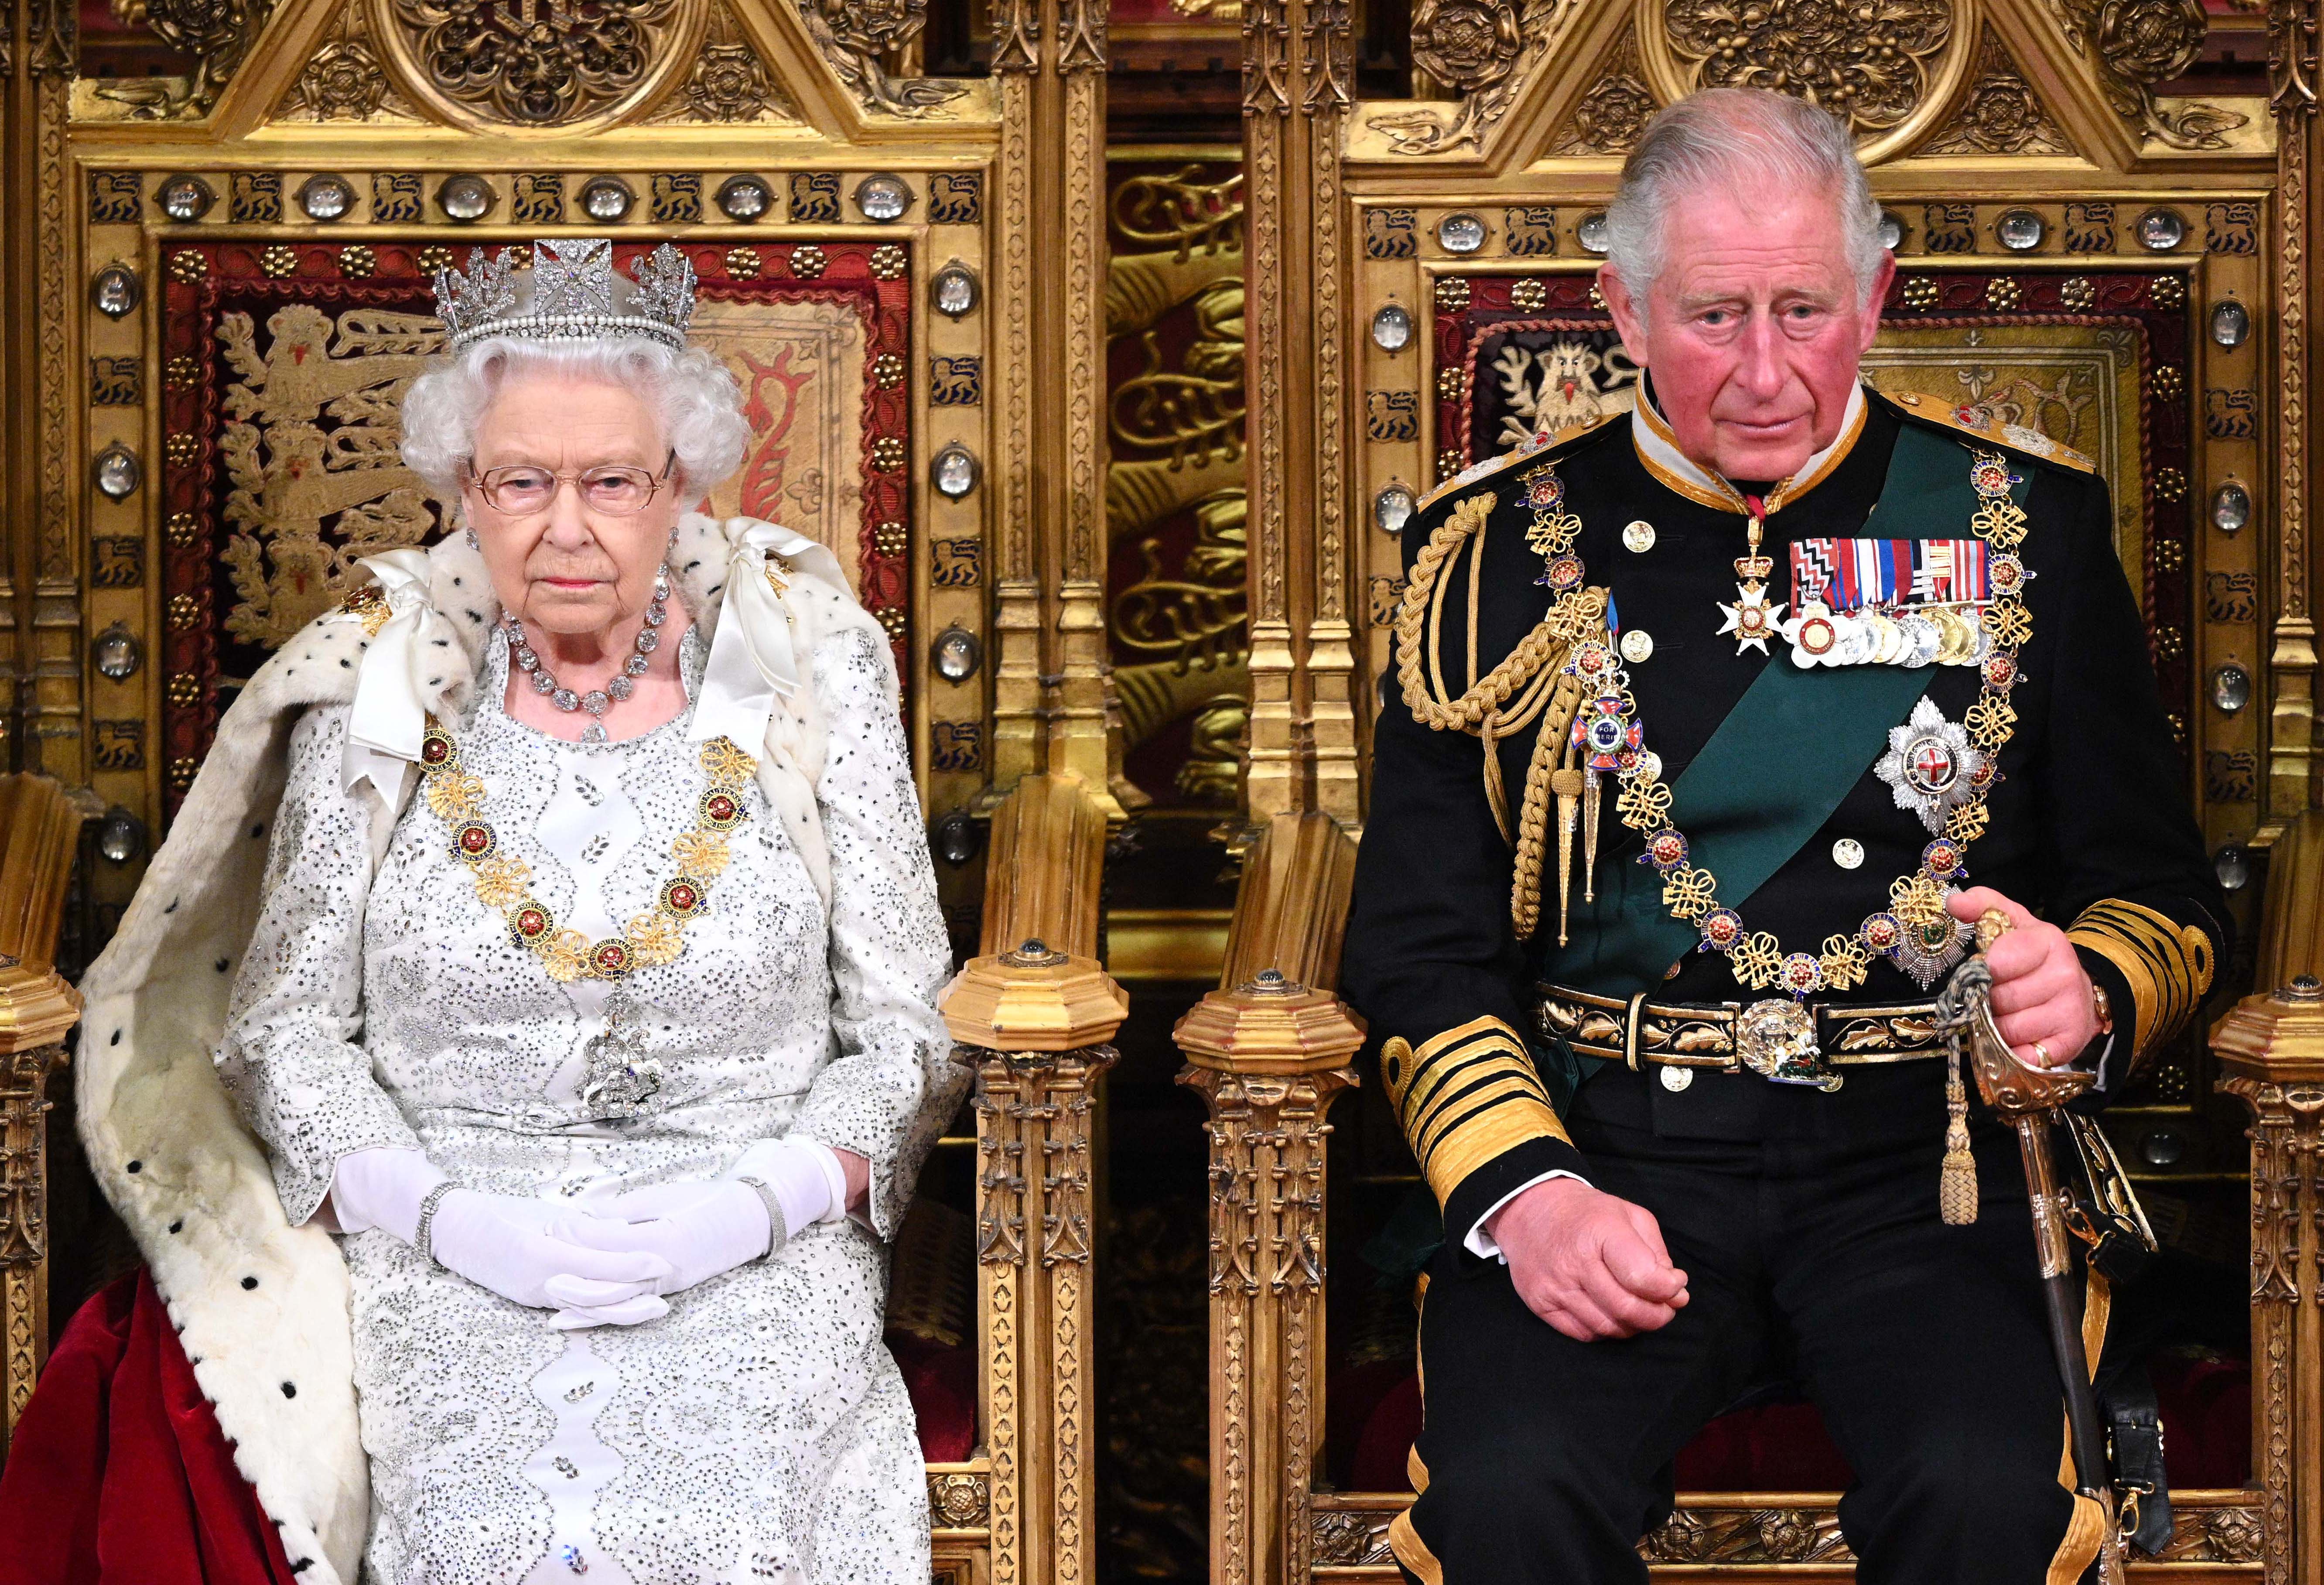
pixel 1970 420
pixel 1464 1096
pixel 1493 465
pixel 2167 965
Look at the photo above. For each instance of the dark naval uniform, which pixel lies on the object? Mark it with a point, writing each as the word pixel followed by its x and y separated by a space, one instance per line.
pixel 1736 1032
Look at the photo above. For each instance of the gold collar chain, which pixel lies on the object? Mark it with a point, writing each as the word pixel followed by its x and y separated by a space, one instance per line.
pixel 650 939
pixel 1914 930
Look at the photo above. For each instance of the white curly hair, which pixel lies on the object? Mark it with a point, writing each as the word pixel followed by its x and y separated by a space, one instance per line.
pixel 692 393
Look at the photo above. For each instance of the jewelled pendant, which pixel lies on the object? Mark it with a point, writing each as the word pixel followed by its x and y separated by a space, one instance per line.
pixel 1751 619
pixel 618 1079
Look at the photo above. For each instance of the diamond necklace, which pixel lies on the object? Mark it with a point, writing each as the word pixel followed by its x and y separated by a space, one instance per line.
pixel 618 687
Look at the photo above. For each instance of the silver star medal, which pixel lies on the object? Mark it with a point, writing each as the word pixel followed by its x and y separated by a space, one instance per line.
pixel 1931 766
pixel 619 1080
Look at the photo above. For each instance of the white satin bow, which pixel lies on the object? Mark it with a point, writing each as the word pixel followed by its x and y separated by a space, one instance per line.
pixel 752 660
pixel 387 722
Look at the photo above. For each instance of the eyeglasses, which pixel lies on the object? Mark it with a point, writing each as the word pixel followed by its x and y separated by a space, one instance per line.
pixel 522 488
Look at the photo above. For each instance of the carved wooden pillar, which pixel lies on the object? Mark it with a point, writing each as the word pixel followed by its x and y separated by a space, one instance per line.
pixel 1050 675
pixel 39 828
pixel 2270 1049
pixel 1034 1021
pixel 43 568
pixel 2292 68
pixel 1297 76
pixel 1268 1054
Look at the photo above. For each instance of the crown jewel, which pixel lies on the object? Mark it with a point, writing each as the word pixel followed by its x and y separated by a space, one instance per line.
pixel 575 295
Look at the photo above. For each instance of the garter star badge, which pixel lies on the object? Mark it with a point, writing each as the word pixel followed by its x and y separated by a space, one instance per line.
pixel 1931 765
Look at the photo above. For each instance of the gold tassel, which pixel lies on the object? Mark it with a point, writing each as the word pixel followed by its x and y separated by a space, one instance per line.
pixel 1957 1184
pixel 1567 785
pixel 1590 807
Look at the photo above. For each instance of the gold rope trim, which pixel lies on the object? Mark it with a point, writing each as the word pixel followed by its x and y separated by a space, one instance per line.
pixel 2168 965
pixel 1465 1096
pixel 1525 686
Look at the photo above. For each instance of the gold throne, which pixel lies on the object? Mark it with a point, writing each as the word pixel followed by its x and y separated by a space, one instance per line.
pixel 2104 234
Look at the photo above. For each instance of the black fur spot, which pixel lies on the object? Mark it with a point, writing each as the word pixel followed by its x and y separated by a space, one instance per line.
pixel 248 1283
pixel 302 1565
pixel 691 566
pixel 258 831
pixel 441 642
pixel 221 965
pixel 117 1038
pixel 172 908
pixel 178 1226
pixel 289 1389
pixel 345 663
pixel 432 681
pixel 136 1166
pixel 456 583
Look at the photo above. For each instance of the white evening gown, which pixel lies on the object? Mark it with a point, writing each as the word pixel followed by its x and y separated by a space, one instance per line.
pixel 758 1432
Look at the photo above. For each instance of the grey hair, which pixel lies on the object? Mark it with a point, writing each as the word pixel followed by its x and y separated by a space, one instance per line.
pixel 691 391
pixel 1734 136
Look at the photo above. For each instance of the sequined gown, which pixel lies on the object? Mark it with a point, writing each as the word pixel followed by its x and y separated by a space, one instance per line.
pixel 760 1431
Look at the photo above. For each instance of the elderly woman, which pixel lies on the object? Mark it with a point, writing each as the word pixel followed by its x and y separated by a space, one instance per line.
pixel 585 995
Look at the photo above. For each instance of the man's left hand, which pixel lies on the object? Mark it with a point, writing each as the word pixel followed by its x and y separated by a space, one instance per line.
pixel 2040 993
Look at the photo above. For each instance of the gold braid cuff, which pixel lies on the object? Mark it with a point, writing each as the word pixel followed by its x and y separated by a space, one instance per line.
pixel 1526 676
pixel 2168 965
pixel 1465 1096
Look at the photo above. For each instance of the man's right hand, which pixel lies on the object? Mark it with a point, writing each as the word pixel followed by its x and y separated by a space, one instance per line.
pixel 1590 1265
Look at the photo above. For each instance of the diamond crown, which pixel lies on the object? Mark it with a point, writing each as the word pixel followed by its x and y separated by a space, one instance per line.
pixel 572 292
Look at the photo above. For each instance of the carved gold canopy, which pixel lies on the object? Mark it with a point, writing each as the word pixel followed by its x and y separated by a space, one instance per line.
pixel 232 256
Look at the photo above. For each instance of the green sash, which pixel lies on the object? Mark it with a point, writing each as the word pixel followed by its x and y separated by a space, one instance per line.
pixel 1777 766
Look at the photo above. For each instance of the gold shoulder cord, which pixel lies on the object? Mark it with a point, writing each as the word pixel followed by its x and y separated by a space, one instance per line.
pixel 1529 683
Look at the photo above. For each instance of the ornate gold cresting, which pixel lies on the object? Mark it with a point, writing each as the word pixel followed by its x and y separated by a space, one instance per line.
pixel 503 65
pixel 1887 67
pixel 40 827
pixel 2135 44
pixel 1268 1051
pixel 1033 1018
pixel 1999 112
pixel 345 80
pixel 1485 51
pixel 218 34
pixel 856 35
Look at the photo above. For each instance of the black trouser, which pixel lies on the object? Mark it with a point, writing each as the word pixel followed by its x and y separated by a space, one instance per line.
pixel 1815 1251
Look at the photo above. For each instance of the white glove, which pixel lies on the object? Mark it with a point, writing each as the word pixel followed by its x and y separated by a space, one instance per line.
pixel 497 1241
pixel 703 1229
pixel 523 1250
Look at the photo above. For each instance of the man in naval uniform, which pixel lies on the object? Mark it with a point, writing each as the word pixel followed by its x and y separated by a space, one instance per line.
pixel 1699 725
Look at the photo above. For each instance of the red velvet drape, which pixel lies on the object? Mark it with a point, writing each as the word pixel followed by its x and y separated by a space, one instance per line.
pixel 118 1474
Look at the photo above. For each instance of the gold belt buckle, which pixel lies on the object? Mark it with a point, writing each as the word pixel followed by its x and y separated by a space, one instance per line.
pixel 1777 1040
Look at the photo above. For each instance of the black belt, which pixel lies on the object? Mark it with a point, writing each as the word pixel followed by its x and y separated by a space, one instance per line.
pixel 1789 1041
